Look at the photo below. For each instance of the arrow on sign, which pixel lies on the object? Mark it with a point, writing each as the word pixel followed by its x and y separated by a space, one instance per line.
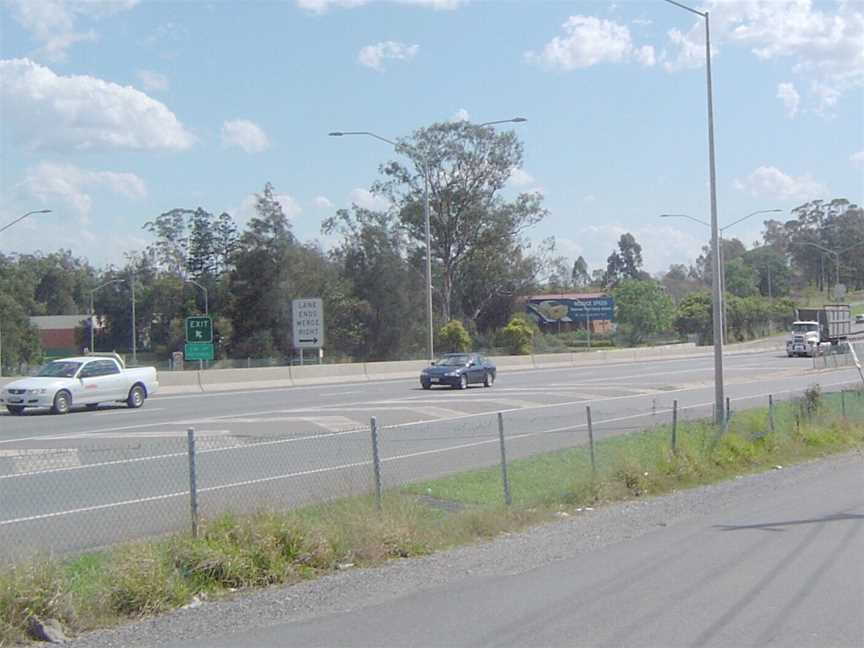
pixel 308 340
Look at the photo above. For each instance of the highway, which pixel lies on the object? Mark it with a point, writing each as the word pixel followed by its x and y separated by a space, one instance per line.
pixel 91 478
pixel 774 560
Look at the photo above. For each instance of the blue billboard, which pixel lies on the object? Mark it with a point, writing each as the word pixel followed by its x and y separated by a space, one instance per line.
pixel 550 310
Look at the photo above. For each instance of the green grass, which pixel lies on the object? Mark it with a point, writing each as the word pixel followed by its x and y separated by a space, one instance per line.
pixel 278 547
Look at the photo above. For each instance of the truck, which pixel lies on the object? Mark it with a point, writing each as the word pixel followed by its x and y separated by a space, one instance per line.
pixel 86 380
pixel 816 329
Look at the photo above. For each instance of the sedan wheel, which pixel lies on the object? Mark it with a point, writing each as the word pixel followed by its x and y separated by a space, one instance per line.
pixel 463 382
pixel 488 380
pixel 62 403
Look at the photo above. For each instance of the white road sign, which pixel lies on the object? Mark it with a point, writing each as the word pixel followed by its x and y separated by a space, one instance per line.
pixel 307 316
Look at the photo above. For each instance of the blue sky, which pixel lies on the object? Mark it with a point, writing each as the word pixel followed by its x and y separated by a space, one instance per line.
pixel 113 112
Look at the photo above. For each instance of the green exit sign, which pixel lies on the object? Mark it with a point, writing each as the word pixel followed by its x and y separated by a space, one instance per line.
pixel 199 329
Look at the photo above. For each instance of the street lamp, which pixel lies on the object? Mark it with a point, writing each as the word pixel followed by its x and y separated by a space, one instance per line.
pixel 720 253
pixel 20 218
pixel 206 309
pixel 719 400
pixel 836 254
pixel 426 218
pixel 93 312
pixel 3 229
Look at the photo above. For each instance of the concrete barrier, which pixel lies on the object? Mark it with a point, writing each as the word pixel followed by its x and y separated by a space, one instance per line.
pixel 219 380
pixel 395 369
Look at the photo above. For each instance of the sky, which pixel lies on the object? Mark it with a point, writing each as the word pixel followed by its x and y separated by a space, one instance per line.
pixel 114 112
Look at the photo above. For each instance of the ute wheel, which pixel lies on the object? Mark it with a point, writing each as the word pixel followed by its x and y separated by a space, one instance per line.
pixel 136 397
pixel 62 403
pixel 15 410
pixel 488 380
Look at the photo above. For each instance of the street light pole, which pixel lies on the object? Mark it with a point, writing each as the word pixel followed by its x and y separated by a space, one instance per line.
pixel 719 399
pixel 206 309
pixel 720 253
pixel 424 163
pixel 20 218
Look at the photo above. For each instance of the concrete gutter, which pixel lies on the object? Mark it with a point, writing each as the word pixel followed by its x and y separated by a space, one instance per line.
pixel 228 380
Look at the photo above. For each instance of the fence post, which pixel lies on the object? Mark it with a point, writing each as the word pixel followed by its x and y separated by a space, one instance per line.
pixel 376 462
pixel 507 500
pixel 591 440
pixel 674 426
pixel 193 481
pixel 771 413
pixel 843 403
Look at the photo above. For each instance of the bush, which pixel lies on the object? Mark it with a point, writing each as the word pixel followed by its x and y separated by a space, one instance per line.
pixel 517 337
pixel 453 338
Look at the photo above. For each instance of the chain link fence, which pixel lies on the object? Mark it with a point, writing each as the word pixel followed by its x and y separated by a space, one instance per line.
pixel 96 493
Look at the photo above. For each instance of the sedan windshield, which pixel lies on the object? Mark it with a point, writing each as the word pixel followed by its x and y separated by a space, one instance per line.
pixel 59 370
pixel 453 361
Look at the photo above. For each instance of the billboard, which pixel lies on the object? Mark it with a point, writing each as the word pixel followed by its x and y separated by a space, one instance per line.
pixel 550 310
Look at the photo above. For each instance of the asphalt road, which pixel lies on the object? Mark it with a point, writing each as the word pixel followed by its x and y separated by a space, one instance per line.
pixel 93 478
pixel 768 559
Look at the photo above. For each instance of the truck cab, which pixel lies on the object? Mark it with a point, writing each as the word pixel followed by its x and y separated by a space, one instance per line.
pixel 805 340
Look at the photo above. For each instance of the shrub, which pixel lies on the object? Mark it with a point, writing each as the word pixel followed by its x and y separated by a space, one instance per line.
pixel 453 338
pixel 517 337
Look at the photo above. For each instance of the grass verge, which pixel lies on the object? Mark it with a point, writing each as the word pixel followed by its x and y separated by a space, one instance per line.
pixel 269 547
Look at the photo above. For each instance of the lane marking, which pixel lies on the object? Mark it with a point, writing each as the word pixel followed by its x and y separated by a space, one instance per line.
pixel 126 410
pixel 326 469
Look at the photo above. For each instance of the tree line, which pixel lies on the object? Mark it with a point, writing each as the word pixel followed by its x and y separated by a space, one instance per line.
pixel 373 281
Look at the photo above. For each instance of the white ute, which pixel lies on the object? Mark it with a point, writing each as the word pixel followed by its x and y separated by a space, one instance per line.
pixel 87 380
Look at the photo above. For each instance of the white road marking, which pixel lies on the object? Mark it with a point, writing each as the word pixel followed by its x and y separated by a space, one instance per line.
pixel 127 410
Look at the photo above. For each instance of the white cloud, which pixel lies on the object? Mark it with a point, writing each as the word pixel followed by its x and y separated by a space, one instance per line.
pixel 857 159
pixel 48 111
pixel 245 135
pixel 152 81
pixel 321 6
pixel 49 182
pixel 54 23
pixel 322 202
pixel 642 21
pixel 365 199
pixel 787 93
pixel 590 41
pixel 590 198
pixel 771 182
pixel 824 44
pixel 461 115
pixel 520 178
pixel 373 56
pixel 246 210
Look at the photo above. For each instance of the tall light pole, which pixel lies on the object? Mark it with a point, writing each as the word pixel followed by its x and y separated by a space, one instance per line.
pixel 426 219
pixel 206 308
pixel 93 312
pixel 20 218
pixel 3 229
pixel 719 400
pixel 720 252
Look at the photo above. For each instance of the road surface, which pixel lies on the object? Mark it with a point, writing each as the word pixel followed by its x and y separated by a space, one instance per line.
pixel 766 560
pixel 93 478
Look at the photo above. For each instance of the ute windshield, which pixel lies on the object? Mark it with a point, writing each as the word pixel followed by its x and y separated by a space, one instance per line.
pixel 59 370
pixel 453 361
pixel 804 327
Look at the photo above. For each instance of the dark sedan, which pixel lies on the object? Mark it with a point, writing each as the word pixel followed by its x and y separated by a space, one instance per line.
pixel 458 370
